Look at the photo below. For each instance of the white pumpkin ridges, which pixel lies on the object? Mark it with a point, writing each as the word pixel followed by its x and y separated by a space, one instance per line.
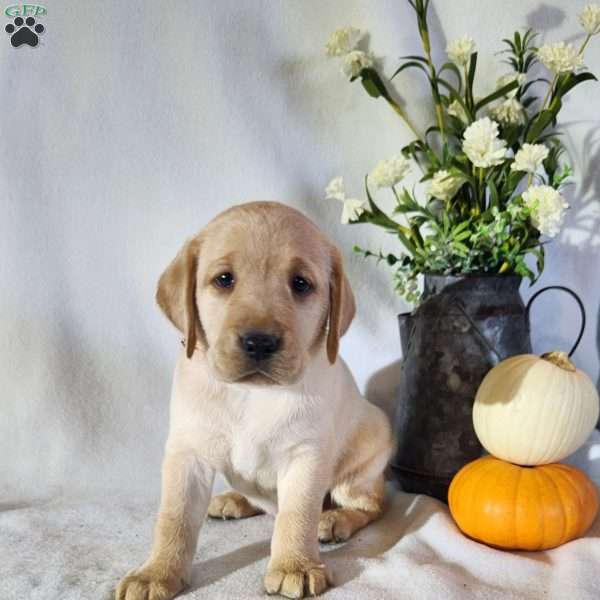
pixel 559 388
pixel 579 415
pixel 520 446
pixel 591 412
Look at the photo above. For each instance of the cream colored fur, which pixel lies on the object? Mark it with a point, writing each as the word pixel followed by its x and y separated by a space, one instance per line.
pixel 283 436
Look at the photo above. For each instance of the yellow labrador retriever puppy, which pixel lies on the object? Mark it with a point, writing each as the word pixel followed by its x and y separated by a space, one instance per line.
pixel 261 396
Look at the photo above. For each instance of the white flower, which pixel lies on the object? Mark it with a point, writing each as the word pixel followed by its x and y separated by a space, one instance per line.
pixel 547 208
pixel 354 62
pixel 560 57
pixel 455 109
pixel 520 78
pixel 460 50
pixel 388 173
pixel 508 112
pixel 444 186
pixel 353 207
pixel 590 19
pixel 342 41
pixel 481 143
pixel 352 210
pixel 529 158
pixel 335 189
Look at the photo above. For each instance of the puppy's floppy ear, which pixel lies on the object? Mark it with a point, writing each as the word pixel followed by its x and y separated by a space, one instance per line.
pixel 341 305
pixel 176 294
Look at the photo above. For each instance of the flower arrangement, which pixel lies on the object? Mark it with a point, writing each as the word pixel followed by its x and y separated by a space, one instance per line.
pixel 492 165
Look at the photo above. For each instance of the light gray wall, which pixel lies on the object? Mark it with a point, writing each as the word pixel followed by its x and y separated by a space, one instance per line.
pixel 133 123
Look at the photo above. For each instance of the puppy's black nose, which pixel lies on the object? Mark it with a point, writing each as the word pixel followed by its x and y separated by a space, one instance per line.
pixel 259 346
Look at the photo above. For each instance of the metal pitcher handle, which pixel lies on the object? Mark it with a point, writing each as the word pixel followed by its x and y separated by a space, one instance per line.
pixel 562 288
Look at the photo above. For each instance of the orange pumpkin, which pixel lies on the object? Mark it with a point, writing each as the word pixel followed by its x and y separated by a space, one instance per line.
pixel 522 508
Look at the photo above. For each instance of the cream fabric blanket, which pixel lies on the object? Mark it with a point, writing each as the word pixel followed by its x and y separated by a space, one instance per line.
pixel 68 549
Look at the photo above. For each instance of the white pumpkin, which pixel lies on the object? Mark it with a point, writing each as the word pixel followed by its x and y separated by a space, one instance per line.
pixel 532 410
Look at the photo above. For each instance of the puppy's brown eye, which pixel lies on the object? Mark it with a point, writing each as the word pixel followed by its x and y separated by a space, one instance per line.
pixel 301 286
pixel 224 280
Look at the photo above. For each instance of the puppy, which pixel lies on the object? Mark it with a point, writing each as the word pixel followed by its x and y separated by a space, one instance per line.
pixel 261 396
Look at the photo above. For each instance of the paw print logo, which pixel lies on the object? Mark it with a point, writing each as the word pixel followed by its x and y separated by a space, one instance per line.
pixel 24 32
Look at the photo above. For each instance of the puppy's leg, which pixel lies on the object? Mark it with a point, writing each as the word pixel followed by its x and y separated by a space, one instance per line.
pixel 186 487
pixel 295 569
pixel 231 505
pixel 359 488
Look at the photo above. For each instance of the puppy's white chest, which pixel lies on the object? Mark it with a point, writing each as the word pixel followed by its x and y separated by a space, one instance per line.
pixel 252 472
pixel 261 443
pixel 249 458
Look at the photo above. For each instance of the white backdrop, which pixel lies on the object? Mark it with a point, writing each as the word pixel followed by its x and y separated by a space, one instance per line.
pixel 133 123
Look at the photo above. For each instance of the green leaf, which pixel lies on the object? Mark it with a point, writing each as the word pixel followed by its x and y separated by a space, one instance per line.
pixel 513 63
pixel 512 134
pixel 499 93
pixel 408 65
pixel 529 36
pixel 407 244
pixel 373 83
pixel 518 45
pixel 538 125
pixel 511 183
pixel 446 221
pixel 462 164
pixel 567 83
pixel 510 44
pixel 529 62
pixel 458 228
pixel 455 126
pixel 522 269
pixel 415 57
pixel 371 88
pixel 558 179
pixel 472 69
pixel 527 102
pixel 450 66
pixel 432 129
pixel 455 95
pixel 463 236
pixel 534 81
pixel 464 250
pixel 494 198
pixel 376 215
pixel 416 234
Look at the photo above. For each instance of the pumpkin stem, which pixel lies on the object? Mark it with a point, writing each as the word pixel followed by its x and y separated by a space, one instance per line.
pixel 560 359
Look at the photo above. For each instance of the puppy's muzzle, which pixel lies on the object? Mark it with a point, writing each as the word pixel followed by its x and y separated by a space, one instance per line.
pixel 259 346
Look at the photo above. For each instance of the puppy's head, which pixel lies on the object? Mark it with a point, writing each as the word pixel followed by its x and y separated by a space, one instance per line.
pixel 260 289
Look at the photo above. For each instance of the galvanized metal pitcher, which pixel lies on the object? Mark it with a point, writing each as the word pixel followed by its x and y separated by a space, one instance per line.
pixel 464 326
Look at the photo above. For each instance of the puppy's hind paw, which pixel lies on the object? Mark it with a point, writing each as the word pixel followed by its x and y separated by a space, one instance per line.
pixel 231 505
pixel 335 526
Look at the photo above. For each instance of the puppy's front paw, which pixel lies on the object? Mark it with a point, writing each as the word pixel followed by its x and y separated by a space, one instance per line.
pixel 294 580
pixel 231 505
pixel 148 584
